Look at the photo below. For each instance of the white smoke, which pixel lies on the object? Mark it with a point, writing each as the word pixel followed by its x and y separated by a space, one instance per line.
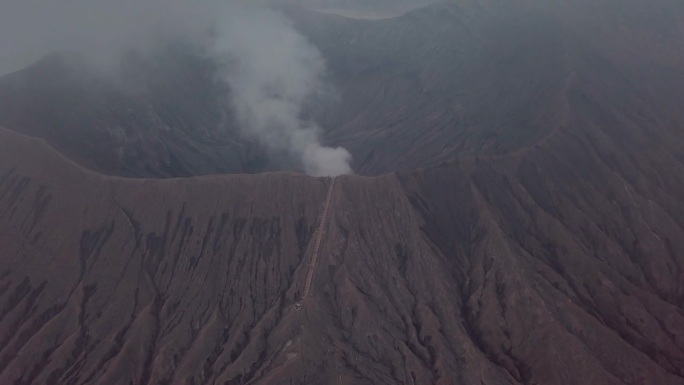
pixel 273 70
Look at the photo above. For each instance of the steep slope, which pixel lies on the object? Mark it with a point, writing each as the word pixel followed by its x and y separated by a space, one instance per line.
pixel 560 264
pixel 143 282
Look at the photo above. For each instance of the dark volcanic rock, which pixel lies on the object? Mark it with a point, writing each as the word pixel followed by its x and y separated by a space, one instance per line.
pixel 560 264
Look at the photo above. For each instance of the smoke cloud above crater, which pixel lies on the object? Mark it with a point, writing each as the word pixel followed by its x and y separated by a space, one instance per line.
pixel 271 69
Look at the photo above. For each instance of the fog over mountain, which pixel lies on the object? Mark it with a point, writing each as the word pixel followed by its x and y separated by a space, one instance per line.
pixel 270 67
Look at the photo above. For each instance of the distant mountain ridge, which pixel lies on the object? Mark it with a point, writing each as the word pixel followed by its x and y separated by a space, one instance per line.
pixel 169 116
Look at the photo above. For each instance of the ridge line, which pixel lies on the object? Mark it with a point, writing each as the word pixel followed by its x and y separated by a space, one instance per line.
pixel 319 235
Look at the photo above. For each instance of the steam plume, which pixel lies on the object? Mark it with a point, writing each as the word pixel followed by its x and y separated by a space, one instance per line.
pixel 272 69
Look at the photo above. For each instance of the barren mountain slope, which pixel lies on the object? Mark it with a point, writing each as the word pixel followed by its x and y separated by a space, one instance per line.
pixel 560 264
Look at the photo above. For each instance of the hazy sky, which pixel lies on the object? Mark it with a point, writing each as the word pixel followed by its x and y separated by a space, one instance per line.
pixel 29 29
